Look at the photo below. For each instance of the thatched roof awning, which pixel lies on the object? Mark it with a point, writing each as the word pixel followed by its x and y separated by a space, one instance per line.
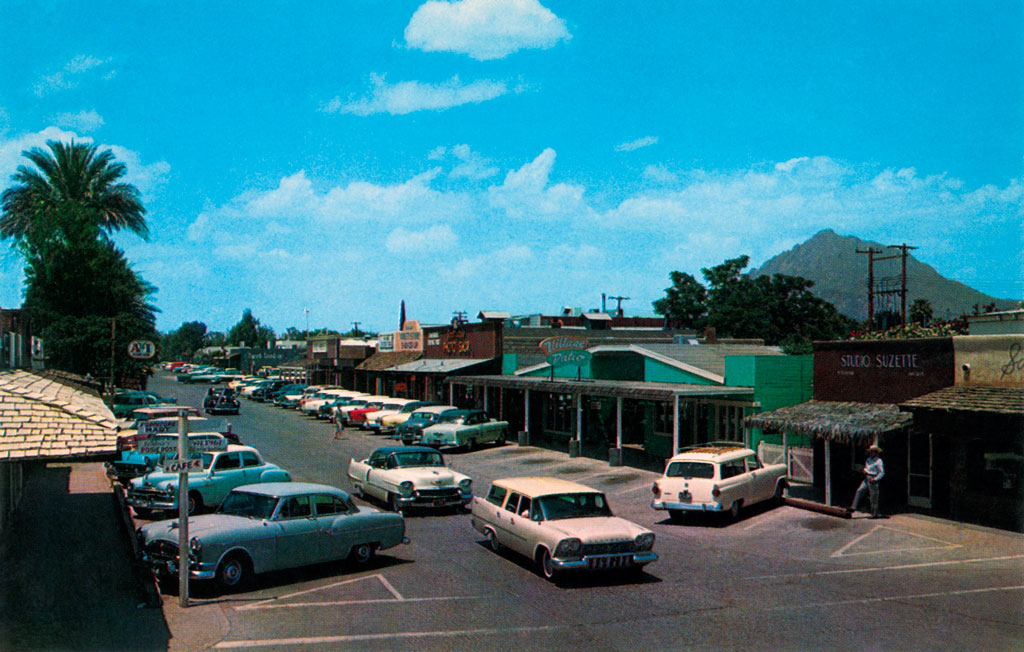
pixel 834 420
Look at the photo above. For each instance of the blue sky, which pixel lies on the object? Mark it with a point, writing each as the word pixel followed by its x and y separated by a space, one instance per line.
pixel 521 155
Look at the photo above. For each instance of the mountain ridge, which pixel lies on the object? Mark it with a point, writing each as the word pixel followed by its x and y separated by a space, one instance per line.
pixel 840 276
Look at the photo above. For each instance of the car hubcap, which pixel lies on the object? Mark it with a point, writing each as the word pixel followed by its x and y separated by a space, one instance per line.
pixel 232 573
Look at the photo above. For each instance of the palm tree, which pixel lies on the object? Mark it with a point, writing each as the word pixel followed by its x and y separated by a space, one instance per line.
pixel 74 193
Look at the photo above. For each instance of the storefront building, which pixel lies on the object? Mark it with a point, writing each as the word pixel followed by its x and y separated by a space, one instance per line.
pixel 332 360
pixel 946 411
pixel 635 402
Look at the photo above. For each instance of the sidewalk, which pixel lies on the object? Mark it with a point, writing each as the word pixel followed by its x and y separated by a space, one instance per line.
pixel 66 570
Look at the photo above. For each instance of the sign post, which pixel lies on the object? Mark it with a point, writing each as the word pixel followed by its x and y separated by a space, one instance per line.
pixel 183 565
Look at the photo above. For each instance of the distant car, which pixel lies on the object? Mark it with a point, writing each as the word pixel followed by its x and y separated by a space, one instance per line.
pixel 266 527
pixel 717 478
pixel 405 477
pixel 371 420
pixel 469 431
pixel 342 408
pixel 125 402
pixel 412 429
pixel 221 472
pixel 387 424
pixel 222 401
pixel 561 526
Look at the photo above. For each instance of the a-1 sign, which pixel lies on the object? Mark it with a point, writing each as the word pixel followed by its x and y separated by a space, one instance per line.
pixel 141 349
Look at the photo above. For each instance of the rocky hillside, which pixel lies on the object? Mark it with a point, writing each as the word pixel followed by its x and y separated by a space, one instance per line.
pixel 840 276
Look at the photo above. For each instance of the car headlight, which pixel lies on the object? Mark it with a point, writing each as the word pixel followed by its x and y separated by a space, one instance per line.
pixel 644 541
pixel 465 485
pixel 568 548
pixel 195 545
pixel 170 489
pixel 405 488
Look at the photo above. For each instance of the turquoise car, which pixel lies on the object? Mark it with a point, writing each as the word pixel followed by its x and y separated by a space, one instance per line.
pixel 208 486
pixel 268 527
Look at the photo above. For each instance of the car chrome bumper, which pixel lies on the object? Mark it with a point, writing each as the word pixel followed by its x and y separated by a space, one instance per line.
pixel 689 507
pixel 151 503
pixel 431 501
pixel 605 562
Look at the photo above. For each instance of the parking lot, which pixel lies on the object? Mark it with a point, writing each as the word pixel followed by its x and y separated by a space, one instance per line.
pixel 778 578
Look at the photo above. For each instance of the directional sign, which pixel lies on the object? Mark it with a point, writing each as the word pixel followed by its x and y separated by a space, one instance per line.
pixel 178 466
pixel 158 426
pixel 166 445
pixel 141 349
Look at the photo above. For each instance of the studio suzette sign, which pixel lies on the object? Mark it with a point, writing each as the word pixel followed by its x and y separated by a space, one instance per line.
pixel 566 351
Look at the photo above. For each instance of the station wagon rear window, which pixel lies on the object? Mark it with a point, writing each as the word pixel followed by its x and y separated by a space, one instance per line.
pixel 685 469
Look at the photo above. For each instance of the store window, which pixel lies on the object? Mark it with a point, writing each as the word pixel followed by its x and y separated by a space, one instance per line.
pixel 663 417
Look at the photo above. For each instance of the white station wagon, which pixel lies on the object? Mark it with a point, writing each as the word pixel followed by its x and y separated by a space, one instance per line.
pixel 717 478
pixel 561 525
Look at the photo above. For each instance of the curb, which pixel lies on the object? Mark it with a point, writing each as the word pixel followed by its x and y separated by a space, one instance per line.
pixel 812 506
pixel 142 574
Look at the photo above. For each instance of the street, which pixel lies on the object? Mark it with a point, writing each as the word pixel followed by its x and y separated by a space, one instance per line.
pixel 779 578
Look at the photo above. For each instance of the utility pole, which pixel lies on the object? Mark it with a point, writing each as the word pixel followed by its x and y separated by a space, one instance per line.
pixel 871 251
pixel 903 284
pixel 355 328
pixel 618 308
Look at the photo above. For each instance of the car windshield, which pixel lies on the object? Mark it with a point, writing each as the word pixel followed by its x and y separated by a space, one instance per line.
pixel 391 406
pixel 419 458
pixel 240 503
pixel 690 470
pixel 583 505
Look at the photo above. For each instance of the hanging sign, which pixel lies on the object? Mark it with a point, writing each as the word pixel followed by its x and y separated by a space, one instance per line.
pixel 141 349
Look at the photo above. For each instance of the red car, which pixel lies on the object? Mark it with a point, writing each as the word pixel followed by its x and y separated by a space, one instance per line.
pixel 358 415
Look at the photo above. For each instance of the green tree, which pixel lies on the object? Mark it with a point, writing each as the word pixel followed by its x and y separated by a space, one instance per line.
pixel 921 312
pixel 779 309
pixel 182 343
pixel 60 215
pixel 250 332
pixel 685 301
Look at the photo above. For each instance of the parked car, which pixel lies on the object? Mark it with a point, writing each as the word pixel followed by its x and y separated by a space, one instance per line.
pixel 723 477
pixel 143 458
pixel 265 391
pixel 560 525
pixel 221 472
pixel 342 407
pixel 125 402
pixel 411 431
pixel 405 477
pixel 273 526
pixel 371 420
pixel 387 424
pixel 221 401
pixel 469 431
pixel 311 406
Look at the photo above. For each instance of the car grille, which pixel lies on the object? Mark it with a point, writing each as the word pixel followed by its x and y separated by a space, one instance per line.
pixel 616 547
pixel 162 551
pixel 151 494
pixel 451 492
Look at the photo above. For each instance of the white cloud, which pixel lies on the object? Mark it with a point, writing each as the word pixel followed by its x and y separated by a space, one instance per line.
pixel 660 174
pixel 526 193
pixel 484 29
pixel 632 145
pixel 71 75
pixel 436 239
pixel 470 165
pixel 410 96
pixel 83 121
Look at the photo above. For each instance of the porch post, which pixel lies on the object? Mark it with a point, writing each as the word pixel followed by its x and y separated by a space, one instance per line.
pixel 675 425
pixel 526 411
pixel 828 471
pixel 485 398
pixel 618 422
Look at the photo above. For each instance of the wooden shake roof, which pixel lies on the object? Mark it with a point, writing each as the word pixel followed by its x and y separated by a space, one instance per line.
pixel 842 421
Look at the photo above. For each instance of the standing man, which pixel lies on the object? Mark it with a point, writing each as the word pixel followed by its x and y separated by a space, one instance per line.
pixel 873 472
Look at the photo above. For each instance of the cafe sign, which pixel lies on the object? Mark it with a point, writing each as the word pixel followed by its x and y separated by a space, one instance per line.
pixel 566 351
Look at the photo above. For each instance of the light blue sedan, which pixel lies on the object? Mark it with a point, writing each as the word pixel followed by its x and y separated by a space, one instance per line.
pixel 268 527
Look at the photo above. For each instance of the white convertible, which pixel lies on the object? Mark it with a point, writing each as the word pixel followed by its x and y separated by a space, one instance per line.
pixel 410 476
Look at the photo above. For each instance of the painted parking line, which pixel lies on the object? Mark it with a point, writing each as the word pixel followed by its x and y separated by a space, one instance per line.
pixel 891 598
pixel 353 638
pixel 896 567
pixel 380 578
pixel 338 603
pixel 877 530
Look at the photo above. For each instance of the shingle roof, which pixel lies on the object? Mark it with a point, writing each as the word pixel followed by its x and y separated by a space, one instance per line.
pixel 387 359
pixel 41 417
pixel 842 421
pixel 968 398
